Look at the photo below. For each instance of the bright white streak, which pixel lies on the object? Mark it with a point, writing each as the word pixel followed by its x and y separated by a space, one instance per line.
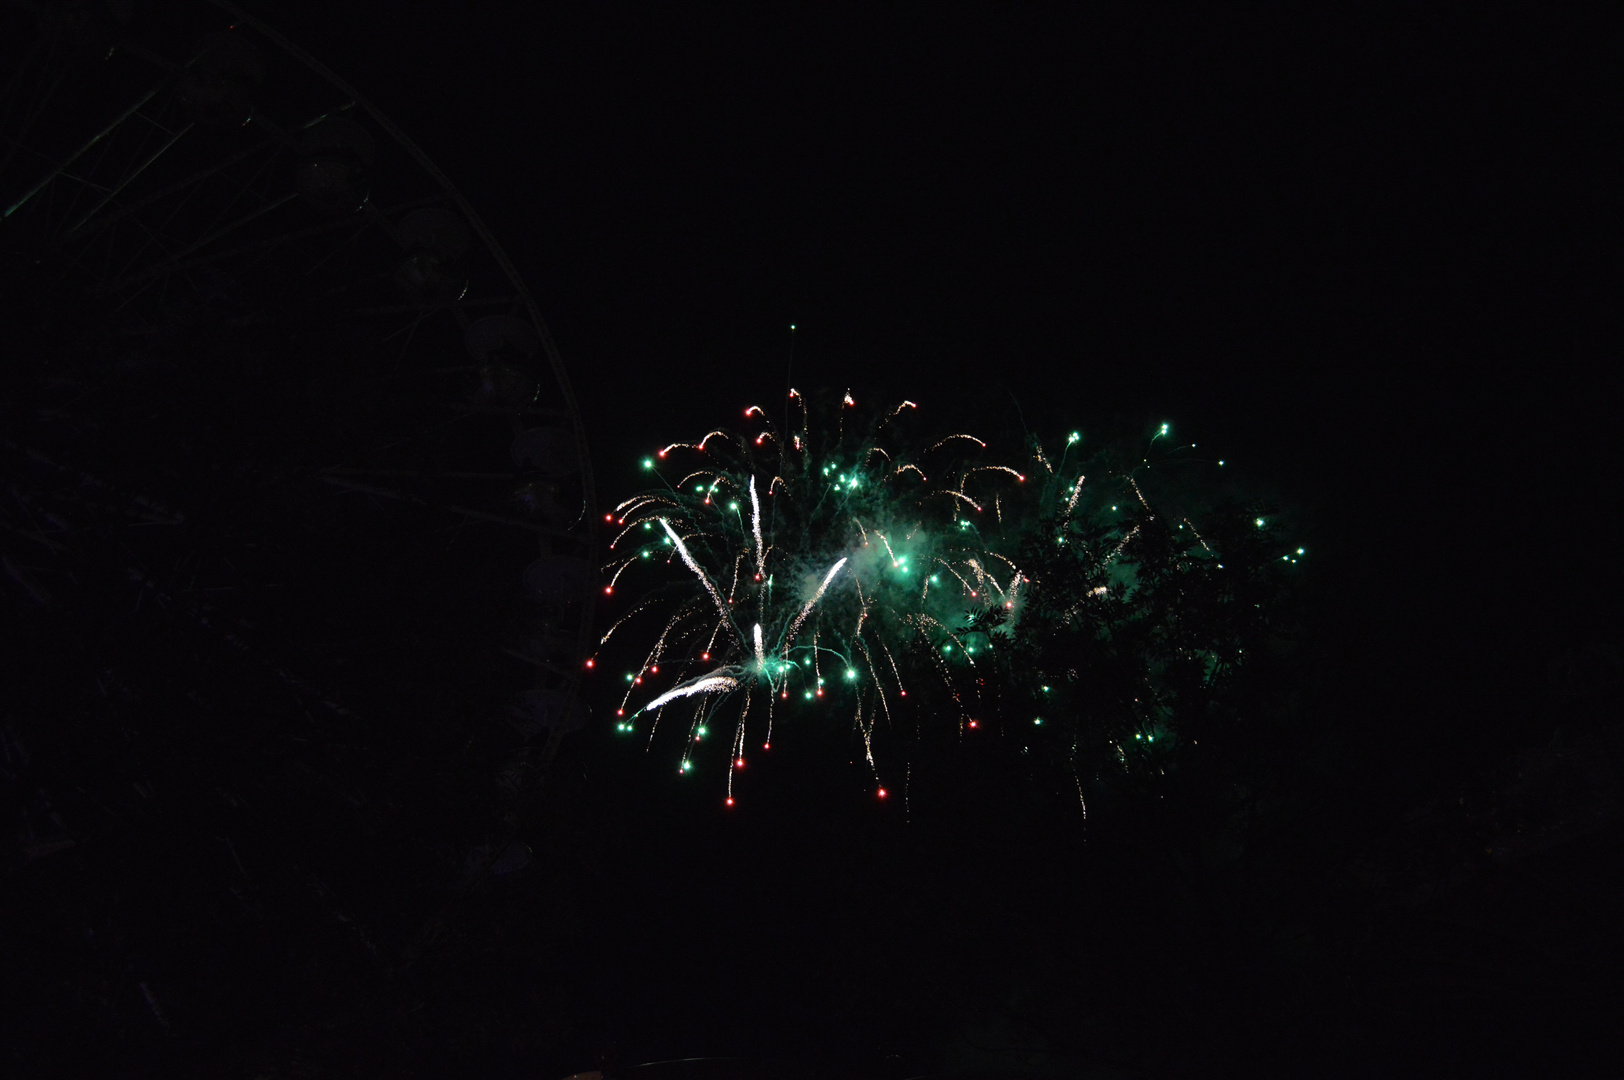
pixel 888 550
pixel 755 528
pixel 708 684
pixel 761 657
pixel 1071 503
pixel 812 603
pixel 682 549
pixel 1131 534
pixel 637 502
pixel 950 438
pixel 990 468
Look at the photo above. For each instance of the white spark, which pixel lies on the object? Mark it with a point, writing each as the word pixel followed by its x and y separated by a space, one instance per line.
pixel 682 549
pixel 707 684
pixel 812 603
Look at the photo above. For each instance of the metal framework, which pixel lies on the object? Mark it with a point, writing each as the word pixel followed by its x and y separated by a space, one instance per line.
pixel 271 314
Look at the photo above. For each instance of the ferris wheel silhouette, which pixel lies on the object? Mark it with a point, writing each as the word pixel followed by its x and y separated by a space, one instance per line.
pixel 271 377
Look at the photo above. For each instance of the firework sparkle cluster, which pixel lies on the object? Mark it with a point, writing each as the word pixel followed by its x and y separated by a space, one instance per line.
pixel 1162 588
pixel 815 562
pixel 830 567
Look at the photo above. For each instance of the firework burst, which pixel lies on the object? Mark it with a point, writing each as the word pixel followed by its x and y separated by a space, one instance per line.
pixel 1156 584
pixel 815 565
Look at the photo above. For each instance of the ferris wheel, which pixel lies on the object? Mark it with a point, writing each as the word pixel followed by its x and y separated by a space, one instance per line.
pixel 268 374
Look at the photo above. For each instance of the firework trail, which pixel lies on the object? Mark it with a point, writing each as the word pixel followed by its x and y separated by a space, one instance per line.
pixel 828 547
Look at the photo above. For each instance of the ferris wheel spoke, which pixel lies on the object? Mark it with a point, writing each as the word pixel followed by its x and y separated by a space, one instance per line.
pixel 177 261
pixel 266 313
pixel 175 137
pixel 89 144
pixel 504 477
pixel 450 508
pixel 267 147
pixel 173 263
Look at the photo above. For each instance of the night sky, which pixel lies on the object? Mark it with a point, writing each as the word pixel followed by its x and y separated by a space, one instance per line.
pixel 1372 261
pixel 1373 258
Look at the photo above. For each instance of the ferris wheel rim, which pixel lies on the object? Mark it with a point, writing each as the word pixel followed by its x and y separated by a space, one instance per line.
pixel 581 537
pixel 555 359
pixel 477 223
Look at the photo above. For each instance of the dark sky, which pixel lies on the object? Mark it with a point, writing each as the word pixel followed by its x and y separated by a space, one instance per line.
pixel 1372 258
